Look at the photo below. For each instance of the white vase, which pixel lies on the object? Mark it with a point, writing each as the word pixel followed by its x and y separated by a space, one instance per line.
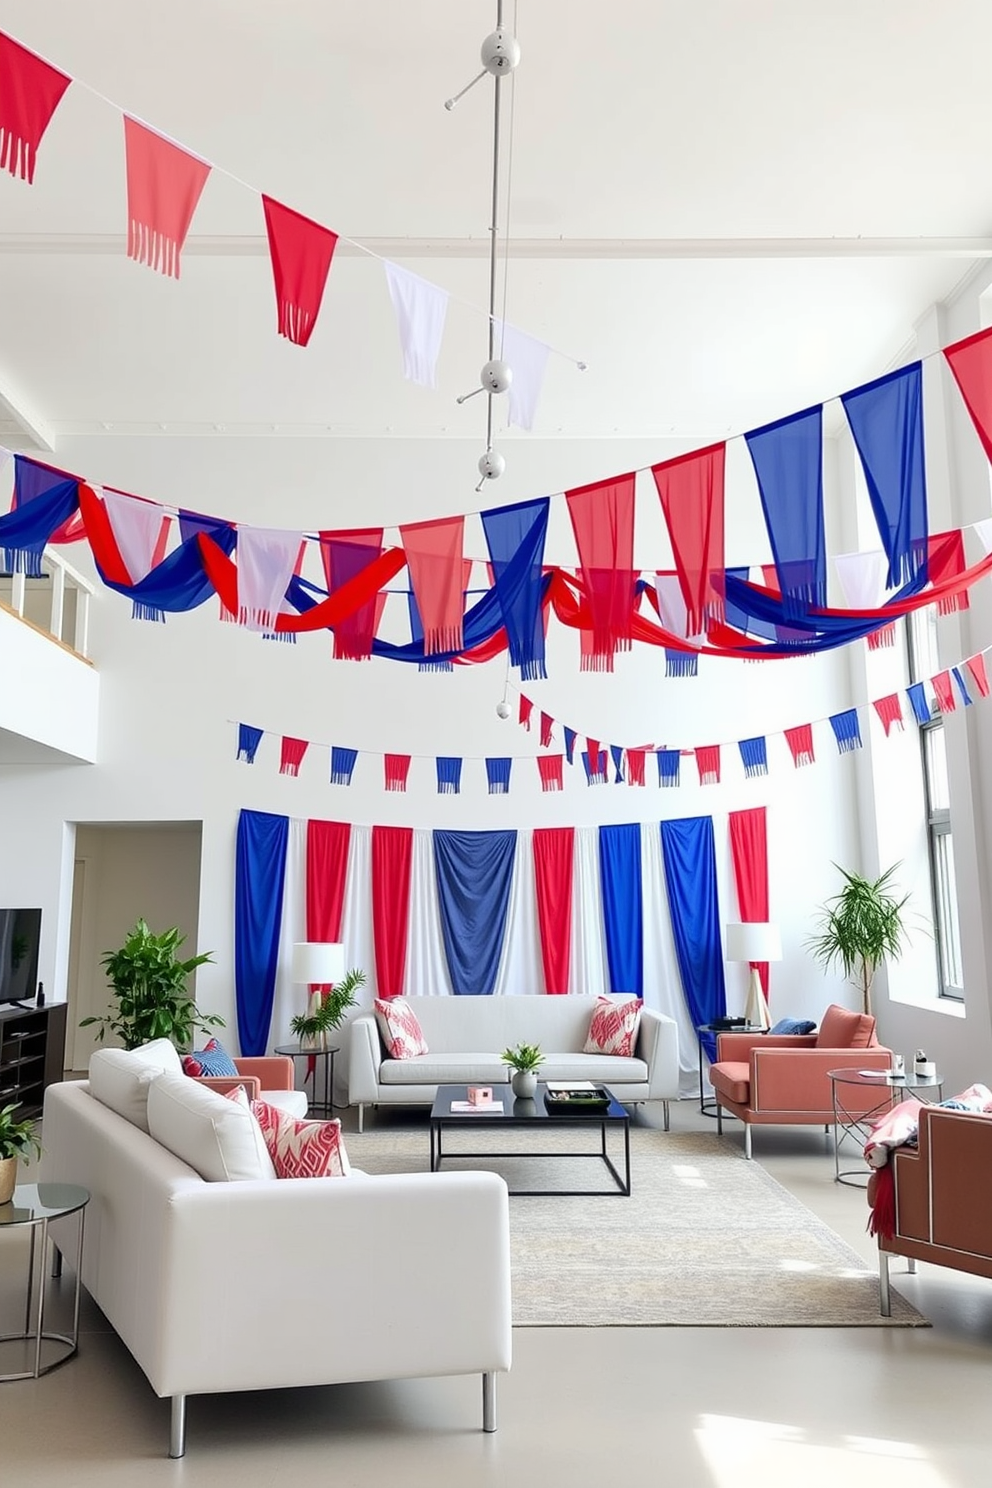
pixel 524 1083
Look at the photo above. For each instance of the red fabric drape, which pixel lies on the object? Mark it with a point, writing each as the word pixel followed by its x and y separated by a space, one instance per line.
pixel 392 855
pixel 434 558
pixel 327 869
pixel 549 768
pixel 554 856
pixel 944 692
pixel 164 184
pixel 100 536
pixel 970 361
pixel 344 556
pixel 800 742
pixel 749 846
pixel 691 493
pixel 30 92
pixel 889 710
pixel 291 757
pixel 602 518
pixel 301 251
pixel 395 769
pixel 976 666
pixel 708 764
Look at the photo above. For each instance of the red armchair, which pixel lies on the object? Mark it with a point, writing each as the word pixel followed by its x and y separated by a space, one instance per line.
pixel 259 1076
pixel 781 1080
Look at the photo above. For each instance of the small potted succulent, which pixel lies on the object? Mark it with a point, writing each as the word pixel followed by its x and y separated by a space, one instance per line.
pixel 18 1140
pixel 326 1011
pixel 524 1060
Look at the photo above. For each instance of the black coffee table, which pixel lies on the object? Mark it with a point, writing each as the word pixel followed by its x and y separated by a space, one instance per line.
pixel 524 1115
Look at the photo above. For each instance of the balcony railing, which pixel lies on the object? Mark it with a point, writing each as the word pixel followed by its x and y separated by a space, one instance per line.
pixel 57 604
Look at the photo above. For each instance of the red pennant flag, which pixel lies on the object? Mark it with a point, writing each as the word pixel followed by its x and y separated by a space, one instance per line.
pixel 800 742
pixel 886 636
pixel 523 713
pixel 602 518
pixel 30 92
pixel 945 561
pixel 976 666
pixel 889 710
pixel 970 361
pixel 595 760
pixel 708 764
pixel 691 493
pixel 396 769
pixel 434 557
pixel 547 724
pixel 944 692
pixel 164 184
pixel 301 253
pixel 635 766
pixel 291 755
pixel 550 769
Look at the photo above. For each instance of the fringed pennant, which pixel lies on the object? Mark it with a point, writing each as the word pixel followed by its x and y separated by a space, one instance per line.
pixel 30 92
pixel 140 530
pixel 966 697
pixel 889 710
pixel 547 724
pixel 800 742
pixel 944 692
pixel 291 755
pixel 886 419
pixel 342 765
pixel 945 561
pixel 754 753
pixel 788 461
pixel 515 536
pixel 164 185
pixel 550 770
pixel 267 559
pixel 524 712
pixel 344 556
pixel 570 738
pixel 862 578
pixel 635 766
pixel 43 499
pixel 449 775
pixel 616 753
pixel 498 775
pixel 846 730
pixel 681 663
pixel 976 666
pixel 884 636
pixel 669 762
pixel 249 739
pixel 396 769
pixel 691 491
pixel 434 557
pixel 594 763
pixel 708 764
pixel 602 517
pixel 920 703
pixel 970 361
pixel 301 253
pixel 421 308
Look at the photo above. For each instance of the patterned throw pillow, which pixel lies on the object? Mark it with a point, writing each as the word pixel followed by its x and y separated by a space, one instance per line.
pixel 614 1026
pixel 400 1028
pixel 301 1149
pixel 213 1059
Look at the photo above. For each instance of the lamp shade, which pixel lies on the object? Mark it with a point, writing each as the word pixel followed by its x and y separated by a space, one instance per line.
pixel 754 941
pixel 318 961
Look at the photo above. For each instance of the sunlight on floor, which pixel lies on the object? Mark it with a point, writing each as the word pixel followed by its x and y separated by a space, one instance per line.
pixel 740 1452
pixel 689 1176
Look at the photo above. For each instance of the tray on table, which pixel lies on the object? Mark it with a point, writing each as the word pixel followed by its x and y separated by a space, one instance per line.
pixel 571 1101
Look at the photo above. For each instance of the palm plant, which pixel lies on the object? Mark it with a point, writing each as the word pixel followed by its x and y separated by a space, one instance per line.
pixel 861 927
pixel 326 1011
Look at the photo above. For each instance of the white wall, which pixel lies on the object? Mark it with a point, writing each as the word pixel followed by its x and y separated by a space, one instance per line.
pixel 48 696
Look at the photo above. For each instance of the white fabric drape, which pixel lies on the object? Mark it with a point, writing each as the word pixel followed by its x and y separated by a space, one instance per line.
pixel 359 949
pixel 588 970
pixel 662 982
pixel 421 308
pixel 520 967
pixel 426 963
pixel 290 997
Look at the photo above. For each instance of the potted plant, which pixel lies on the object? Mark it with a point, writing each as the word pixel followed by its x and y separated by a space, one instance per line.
pixel 861 927
pixel 326 1011
pixel 524 1060
pixel 18 1140
pixel 150 997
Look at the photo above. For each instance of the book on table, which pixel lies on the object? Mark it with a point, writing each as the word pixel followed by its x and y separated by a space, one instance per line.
pixel 469 1108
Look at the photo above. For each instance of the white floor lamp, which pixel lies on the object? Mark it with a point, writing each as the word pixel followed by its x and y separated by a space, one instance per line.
pixel 754 941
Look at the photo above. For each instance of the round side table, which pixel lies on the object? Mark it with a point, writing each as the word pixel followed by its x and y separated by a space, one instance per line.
pixel 294 1052
pixel 34 1206
pixel 888 1088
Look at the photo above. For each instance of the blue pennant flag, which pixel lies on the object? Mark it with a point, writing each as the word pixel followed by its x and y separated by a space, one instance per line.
pixel 498 774
pixel 754 753
pixel 617 753
pixel 886 419
pixel 570 737
pixel 449 775
pixel 681 663
pixel 668 766
pixel 515 538
pixel 788 461
pixel 846 730
pixel 966 697
pixel 595 772
pixel 921 706
pixel 248 741
pixel 342 765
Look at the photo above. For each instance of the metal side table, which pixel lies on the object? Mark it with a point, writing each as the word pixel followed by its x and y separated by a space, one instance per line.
pixel 35 1205
pixel 889 1088
pixel 294 1052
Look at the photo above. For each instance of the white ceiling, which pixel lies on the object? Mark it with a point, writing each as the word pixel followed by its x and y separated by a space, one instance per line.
pixel 640 130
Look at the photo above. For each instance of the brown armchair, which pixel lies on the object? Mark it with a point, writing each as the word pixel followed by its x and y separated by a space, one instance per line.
pixel 261 1076
pixel 781 1080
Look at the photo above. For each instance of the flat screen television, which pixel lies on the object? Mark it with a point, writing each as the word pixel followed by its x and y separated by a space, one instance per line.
pixel 20 940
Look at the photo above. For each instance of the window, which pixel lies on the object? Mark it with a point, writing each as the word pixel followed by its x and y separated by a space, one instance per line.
pixel 923 663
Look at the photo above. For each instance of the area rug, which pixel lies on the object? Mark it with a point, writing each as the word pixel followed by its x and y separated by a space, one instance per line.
pixel 705 1240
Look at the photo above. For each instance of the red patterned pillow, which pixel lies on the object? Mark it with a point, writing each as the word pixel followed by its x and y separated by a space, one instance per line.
pixel 614 1026
pixel 301 1149
pixel 400 1028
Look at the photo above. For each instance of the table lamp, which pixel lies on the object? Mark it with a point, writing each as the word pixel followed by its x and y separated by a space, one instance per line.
pixel 754 941
pixel 318 963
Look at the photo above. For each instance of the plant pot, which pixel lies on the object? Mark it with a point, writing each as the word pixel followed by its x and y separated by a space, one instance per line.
pixel 524 1083
pixel 8 1178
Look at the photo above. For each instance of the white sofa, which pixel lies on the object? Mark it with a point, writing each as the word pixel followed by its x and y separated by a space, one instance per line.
pixel 466 1035
pixel 266 1283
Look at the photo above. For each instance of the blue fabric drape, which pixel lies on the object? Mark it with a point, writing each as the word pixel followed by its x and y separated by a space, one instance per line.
pixel 515 537
pixel 249 739
pixel 788 461
pixel 690 876
pixel 886 419
pixel 260 875
pixel 43 500
pixel 620 876
pixel 474 871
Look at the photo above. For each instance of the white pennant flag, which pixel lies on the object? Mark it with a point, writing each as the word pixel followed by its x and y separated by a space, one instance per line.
pixel 983 531
pixel 137 526
pixel 862 578
pixel 420 309
pixel 267 559
pixel 528 360
pixel 672 607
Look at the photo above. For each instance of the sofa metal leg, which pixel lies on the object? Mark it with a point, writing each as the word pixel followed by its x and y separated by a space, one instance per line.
pixel 884 1296
pixel 911 1266
pixel 719 1119
pixel 361 1118
pixel 489 1400
pixel 747 1140
pixel 177 1428
pixel 668 1115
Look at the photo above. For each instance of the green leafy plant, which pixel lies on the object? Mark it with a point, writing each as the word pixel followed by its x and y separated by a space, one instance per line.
pixel 150 996
pixel 523 1057
pixel 17 1138
pixel 861 927
pixel 327 1012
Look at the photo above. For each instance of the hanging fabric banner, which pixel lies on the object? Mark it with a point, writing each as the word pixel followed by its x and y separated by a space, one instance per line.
pixel 515 537
pixel 249 739
pixel 788 461
pixel 846 730
pixel 976 666
pixel 668 766
pixel 945 560
pixel 616 754
pixel 708 764
pixel 800 742
pixel 528 360
pixel 421 308
pixel 691 491
pixel 344 556
pixel 549 767
pixel 301 251
pixel 620 878
pixel 754 756
pixel 962 687
pixel 944 692
pixel 267 560
pixel 547 724
pixel 886 419
pixel 749 848
pixel 889 710
pixel 164 185
pixel 474 871
pixel 43 500
pixel 434 557
pixel 570 738
pixel 392 855
pixel 602 518
pixel 30 92
pixel 140 530
pixel 690 876
pixel 291 755
pixel 554 858
pixel 259 880
pixel 919 702
pixel 396 769
pixel 970 361
pixel 635 766
pixel 342 765
pixel 524 711
pixel 328 844
pixel 498 776
pixel 449 775
pixel 595 767
pixel 673 612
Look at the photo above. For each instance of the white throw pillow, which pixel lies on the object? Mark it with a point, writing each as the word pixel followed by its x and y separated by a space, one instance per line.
pixel 219 1139
pixel 120 1078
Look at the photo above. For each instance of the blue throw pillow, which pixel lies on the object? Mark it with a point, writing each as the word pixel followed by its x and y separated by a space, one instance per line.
pixel 212 1060
pixel 793 1025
